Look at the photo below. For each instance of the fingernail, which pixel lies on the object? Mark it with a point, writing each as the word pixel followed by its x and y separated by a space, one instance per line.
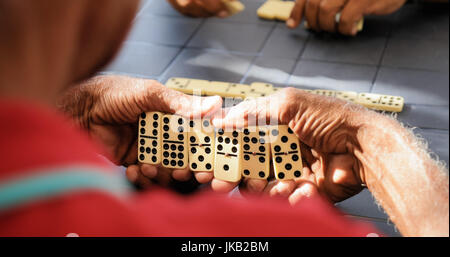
pixel 223 14
pixel 290 23
pixel 210 102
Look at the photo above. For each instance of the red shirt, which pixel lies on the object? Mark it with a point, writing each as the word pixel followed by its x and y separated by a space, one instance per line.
pixel 54 182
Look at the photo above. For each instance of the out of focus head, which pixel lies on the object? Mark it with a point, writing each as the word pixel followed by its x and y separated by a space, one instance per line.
pixel 56 41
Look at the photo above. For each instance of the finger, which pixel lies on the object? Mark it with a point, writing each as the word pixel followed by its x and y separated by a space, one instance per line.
pixel 190 106
pixel 351 15
pixel 203 177
pixel 283 188
pixel 223 186
pixel 149 171
pixel 304 190
pixel 296 14
pixel 132 173
pixel 327 14
pixel 312 13
pixel 254 185
pixel 213 6
pixel 182 175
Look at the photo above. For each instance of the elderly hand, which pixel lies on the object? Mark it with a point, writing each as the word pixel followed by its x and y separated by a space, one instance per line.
pixel 200 8
pixel 321 14
pixel 327 130
pixel 108 107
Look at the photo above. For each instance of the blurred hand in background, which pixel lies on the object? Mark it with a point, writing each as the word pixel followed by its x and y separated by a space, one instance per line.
pixel 321 14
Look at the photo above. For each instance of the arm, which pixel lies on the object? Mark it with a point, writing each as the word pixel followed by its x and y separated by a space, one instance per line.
pixel 346 145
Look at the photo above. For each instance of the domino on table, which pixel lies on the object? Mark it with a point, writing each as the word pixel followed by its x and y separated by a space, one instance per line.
pixel 276 10
pixel 255 152
pixel 149 150
pixel 201 145
pixel 286 156
pixel 381 102
pixel 233 6
pixel 344 95
pixel 227 161
pixel 174 142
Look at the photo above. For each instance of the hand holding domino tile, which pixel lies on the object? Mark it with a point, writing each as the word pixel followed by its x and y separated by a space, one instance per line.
pixel 326 165
pixel 340 16
pixel 111 108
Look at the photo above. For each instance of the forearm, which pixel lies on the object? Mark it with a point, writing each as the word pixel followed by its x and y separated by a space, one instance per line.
pixel 405 180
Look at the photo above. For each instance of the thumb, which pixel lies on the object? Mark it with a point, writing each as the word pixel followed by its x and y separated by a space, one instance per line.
pixel 172 101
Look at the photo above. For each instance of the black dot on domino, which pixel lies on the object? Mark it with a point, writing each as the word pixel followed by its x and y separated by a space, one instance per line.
pixel 278 159
pixel 194 165
pixel 262 149
pixel 290 131
pixel 142 142
pixel 166 135
pixel 246 132
pixel 293 146
pixel 180 148
pixel 295 157
pixel 220 131
pixel 173 155
pixel 141 149
pixel 254 140
pixel 155 132
pixel 284 139
pixel 201 158
pixel 235 141
pixel 297 173
pixel 142 130
pixel 143 123
pixel 193 150
pixel 166 120
pixel 141 157
pixel 155 116
pixel 220 139
pixel 235 133
pixel 166 162
pixel 180 129
pixel 219 147
pixel 227 140
pixel 246 139
pixel 191 123
pixel 226 167
pixel 180 163
pixel 154 159
pixel 166 154
pixel 281 175
pixel 234 149
pixel 192 139
pixel 277 148
pixel 262 133
pixel 262 174
pixel 173 147
pixel 288 166
pixel 207 139
pixel 208 166
pixel 154 143
pixel 206 123
pixel 148 150
pixel 207 150
pixel 180 121
pixel 262 159
pixel 155 124
pixel 180 155
pixel 173 163
pixel 166 128
pixel 166 146
pixel 246 147
pixel 143 115
pixel 180 137
pixel 247 172
pixel 246 157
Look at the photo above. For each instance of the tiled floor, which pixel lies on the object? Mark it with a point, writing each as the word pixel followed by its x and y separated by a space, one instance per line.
pixel 405 53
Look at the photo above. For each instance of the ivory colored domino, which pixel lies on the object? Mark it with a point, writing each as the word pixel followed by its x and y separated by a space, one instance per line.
pixel 149 149
pixel 286 156
pixel 276 10
pixel 233 7
pixel 381 102
pixel 174 142
pixel 227 161
pixel 255 153
pixel 201 145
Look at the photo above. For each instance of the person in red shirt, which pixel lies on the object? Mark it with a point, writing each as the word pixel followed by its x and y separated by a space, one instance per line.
pixel 58 123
